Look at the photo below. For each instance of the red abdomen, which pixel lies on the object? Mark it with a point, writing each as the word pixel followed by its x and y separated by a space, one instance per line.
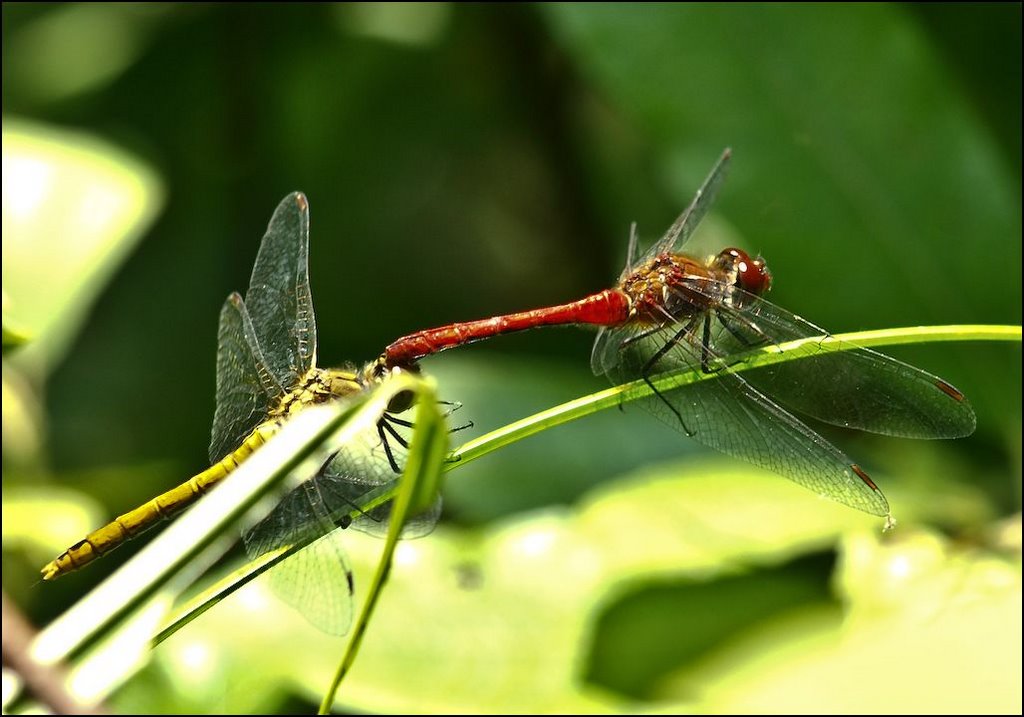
pixel 606 308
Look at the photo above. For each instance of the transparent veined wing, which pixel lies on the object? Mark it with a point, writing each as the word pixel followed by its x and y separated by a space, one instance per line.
pixel 246 389
pixel 728 414
pixel 853 388
pixel 317 580
pixel 684 225
pixel 279 298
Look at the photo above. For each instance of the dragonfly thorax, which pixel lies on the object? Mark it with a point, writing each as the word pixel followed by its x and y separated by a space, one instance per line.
pixel 668 288
pixel 317 386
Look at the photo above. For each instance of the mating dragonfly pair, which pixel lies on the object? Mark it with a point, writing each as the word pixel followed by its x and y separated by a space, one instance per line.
pixel 670 315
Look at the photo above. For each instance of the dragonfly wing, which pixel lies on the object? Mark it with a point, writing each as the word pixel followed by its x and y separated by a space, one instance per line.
pixel 362 470
pixel 318 582
pixel 279 298
pixel 856 388
pixel 727 413
pixel 682 228
pixel 605 355
pixel 246 389
pixel 375 522
pixel 317 579
pixel 332 499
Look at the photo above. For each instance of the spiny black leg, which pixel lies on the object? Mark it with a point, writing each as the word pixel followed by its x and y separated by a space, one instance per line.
pixel 672 408
pixel 749 323
pixel 646 371
pixel 464 426
pixel 399 438
pixel 725 321
pixel 453 406
pixel 639 337
pixel 381 425
pixel 633 339
pixel 707 353
pixel 705 344
pixel 660 353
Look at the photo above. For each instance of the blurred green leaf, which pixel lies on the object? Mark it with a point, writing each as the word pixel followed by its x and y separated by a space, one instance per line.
pixel 13 338
pixel 928 626
pixel 73 207
pixel 74 48
pixel 68 516
pixel 471 617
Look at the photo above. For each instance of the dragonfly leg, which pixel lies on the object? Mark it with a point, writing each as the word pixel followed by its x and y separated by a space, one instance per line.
pixel 382 426
pixel 682 335
pixel 461 427
pixel 393 432
pixel 387 432
pixel 707 354
pixel 454 406
pixel 726 321
pixel 638 337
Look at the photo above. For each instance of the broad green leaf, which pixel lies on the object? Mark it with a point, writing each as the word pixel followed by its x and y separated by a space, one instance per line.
pixel 73 207
pixel 470 617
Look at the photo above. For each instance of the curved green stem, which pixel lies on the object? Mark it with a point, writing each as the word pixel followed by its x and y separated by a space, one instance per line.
pixel 764 356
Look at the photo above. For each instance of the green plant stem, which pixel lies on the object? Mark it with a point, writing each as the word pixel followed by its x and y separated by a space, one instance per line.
pixel 764 356
pixel 417 489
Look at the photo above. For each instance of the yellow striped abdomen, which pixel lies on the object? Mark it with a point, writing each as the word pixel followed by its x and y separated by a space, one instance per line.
pixel 100 542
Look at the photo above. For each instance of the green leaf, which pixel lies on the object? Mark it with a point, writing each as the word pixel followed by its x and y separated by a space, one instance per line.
pixel 73 208
pixel 13 338
pixel 471 616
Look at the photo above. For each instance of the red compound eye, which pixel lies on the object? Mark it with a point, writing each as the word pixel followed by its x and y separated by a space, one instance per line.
pixel 751 274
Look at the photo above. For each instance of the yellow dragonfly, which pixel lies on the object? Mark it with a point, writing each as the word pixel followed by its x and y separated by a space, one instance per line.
pixel 266 372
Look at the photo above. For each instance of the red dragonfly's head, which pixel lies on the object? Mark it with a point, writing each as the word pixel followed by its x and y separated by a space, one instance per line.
pixel 751 275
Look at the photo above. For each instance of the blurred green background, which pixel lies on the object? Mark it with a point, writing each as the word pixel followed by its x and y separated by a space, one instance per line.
pixel 465 160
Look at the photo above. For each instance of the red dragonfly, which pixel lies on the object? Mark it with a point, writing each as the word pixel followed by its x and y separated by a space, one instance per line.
pixel 671 312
